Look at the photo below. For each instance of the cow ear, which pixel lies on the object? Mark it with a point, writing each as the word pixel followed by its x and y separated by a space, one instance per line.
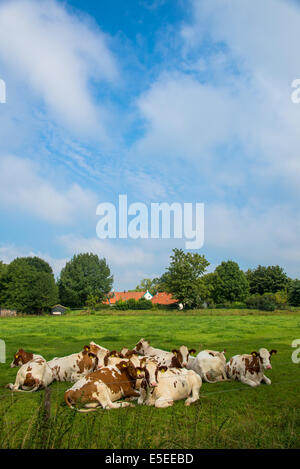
pixel 224 351
pixel 86 348
pixel 175 351
pixel 138 370
pixel 192 351
pixel 91 355
pixel 162 369
pixel 21 350
pixel 273 351
pixel 254 354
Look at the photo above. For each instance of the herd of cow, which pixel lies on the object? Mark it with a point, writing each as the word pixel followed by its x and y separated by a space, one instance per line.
pixel 149 375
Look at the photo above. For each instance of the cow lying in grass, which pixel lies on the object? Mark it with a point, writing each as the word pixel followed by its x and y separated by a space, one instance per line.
pixel 162 385
pixel 105 386
pixel 210 365
pixel 175 359
pixel 249 369
pixel 34 373
pixel 73 367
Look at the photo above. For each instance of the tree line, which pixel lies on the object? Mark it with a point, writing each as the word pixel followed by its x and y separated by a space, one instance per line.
pixel 28 284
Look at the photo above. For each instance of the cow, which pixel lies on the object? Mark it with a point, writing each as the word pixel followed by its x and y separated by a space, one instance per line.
pixel 73 367
pixel 162 385
pixel 178 358
pixel 249 369
pixel 104 387
pixel 34 373
pixel 210 365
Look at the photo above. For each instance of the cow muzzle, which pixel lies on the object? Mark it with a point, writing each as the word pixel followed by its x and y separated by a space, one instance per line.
pixel 269 367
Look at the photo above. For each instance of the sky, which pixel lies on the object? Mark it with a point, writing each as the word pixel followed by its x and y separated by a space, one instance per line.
pixel 183 101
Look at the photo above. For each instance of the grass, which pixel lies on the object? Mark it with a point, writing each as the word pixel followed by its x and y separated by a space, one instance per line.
pixel 228 415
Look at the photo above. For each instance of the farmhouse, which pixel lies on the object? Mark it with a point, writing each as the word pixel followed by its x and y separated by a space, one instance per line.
pixel 161 298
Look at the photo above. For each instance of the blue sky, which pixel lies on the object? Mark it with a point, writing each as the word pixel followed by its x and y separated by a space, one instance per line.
pixel 162 100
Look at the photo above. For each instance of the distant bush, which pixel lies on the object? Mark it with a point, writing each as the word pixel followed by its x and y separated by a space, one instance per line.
pixel 265 302
pixel 122 305
pixel 133 304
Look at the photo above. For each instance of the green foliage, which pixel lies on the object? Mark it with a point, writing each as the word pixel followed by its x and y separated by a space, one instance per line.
pixel 92 302
pixel 28 286
pixel 84 275
pixel 267 279
pixel 184 278
pixel 294 293
pixel 265 302
pixel 229 283
pixel 148 284
pixel 141 304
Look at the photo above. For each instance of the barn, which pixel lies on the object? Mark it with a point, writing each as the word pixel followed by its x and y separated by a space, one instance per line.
pixel 58 310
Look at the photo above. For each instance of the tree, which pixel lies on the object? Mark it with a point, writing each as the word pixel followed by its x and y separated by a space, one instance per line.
pixel 28 286
pixel 84 275
pixel 183 279
pixel 152 285
pixel 294 293
pixel 229 283
pixel 269 279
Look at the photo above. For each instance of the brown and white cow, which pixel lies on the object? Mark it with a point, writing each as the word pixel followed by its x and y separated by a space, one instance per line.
pixel 105 386
pixel 34 373
pixel 75 366
pixel 210 365
pixel 249 369
pixel 162 386
pixel 178 358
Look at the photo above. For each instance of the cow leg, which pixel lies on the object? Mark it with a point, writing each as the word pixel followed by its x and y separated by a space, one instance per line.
pixel 248 381
pixel 196 385
pixel 142 397
pixel 105 401
pixel 162 403
pixel 266 380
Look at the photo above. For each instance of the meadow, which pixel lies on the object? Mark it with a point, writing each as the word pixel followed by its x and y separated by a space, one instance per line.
pixel 227 415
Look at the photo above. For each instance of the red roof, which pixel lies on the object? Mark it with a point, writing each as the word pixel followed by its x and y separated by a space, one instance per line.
pixel 124 296
pixel 161 298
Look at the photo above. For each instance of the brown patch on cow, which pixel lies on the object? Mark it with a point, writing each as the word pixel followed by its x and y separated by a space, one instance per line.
pixel 252 366
pixel 29 380
pixel 231 360
pixel 138 346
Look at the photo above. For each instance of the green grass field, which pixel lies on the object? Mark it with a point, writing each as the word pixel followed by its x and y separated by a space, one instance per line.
pixel 228 415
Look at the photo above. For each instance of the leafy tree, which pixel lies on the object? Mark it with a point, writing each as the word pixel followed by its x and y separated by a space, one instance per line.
pixel 294 293
pixel 3 269
pixel 152 285
pixel 147 284
pixel 269 279
pixel 28 286
pixel 229 283
pixel 84 275
pixel 183 279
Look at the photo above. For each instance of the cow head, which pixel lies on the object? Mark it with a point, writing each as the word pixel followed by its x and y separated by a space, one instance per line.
pixel 142 346
pixel 21 357
pixel 182 356
pixel 264 356
pixel 112 354
pixel 134 372
pixel 97 350
pixel 151 369
pixel 220 355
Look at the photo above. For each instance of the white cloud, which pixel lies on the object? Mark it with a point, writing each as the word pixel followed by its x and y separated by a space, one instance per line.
pixel 58 55
pixel 24 189
pixel 8 252
pixel 268 236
